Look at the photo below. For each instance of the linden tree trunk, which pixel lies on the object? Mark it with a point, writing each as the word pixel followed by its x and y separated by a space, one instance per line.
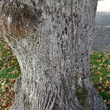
pixel 52 41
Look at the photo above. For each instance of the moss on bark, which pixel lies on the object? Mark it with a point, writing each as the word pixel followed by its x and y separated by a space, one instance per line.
pixel 81 92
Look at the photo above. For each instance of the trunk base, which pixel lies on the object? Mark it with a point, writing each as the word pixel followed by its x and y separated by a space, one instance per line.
pixel 94 101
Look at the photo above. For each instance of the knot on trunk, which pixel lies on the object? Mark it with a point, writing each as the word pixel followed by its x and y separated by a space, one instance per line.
pixel 19 19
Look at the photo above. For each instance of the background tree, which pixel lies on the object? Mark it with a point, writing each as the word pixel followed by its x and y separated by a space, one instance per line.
pixel 52 41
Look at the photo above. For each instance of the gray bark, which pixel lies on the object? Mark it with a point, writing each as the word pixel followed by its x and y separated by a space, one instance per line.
pixel 52 41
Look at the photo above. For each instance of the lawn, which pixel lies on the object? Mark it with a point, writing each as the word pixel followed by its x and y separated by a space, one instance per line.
pixel 100 74
pixel 10 70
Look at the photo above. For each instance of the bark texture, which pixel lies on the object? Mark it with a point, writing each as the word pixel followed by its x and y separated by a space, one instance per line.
pixel 52 41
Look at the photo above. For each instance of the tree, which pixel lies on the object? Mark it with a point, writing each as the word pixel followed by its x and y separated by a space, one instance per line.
pixel 52 41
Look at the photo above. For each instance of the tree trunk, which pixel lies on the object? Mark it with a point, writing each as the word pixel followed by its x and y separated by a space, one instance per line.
pixel 52 41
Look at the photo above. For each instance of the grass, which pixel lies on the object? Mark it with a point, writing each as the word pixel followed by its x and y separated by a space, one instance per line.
pixel 9 71
pixel 100 74
pixel 99 67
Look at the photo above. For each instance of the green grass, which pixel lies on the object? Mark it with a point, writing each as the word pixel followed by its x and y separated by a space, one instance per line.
pixel 10 70
pixel 8 62
pixel 100 74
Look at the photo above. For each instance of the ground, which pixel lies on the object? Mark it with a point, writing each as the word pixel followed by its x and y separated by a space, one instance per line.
pixel 102 21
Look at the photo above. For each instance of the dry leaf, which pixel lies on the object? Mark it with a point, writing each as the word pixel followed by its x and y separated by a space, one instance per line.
pixel 108 83
pixel 108 102
pixel 108 67
pixel 108 92
pixel 5 103
pixel 100 78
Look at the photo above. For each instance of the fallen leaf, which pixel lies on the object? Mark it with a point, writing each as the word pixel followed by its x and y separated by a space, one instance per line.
pixel 100 78
pixel 108 76
pixel 108 67
pixel 5 103
pixel 108 92
pixel 97 72
pixel 107 83
pixel 108 102
pixel 12 61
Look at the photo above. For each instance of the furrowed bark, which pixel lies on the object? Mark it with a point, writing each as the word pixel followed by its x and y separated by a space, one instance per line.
pixel 52 41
